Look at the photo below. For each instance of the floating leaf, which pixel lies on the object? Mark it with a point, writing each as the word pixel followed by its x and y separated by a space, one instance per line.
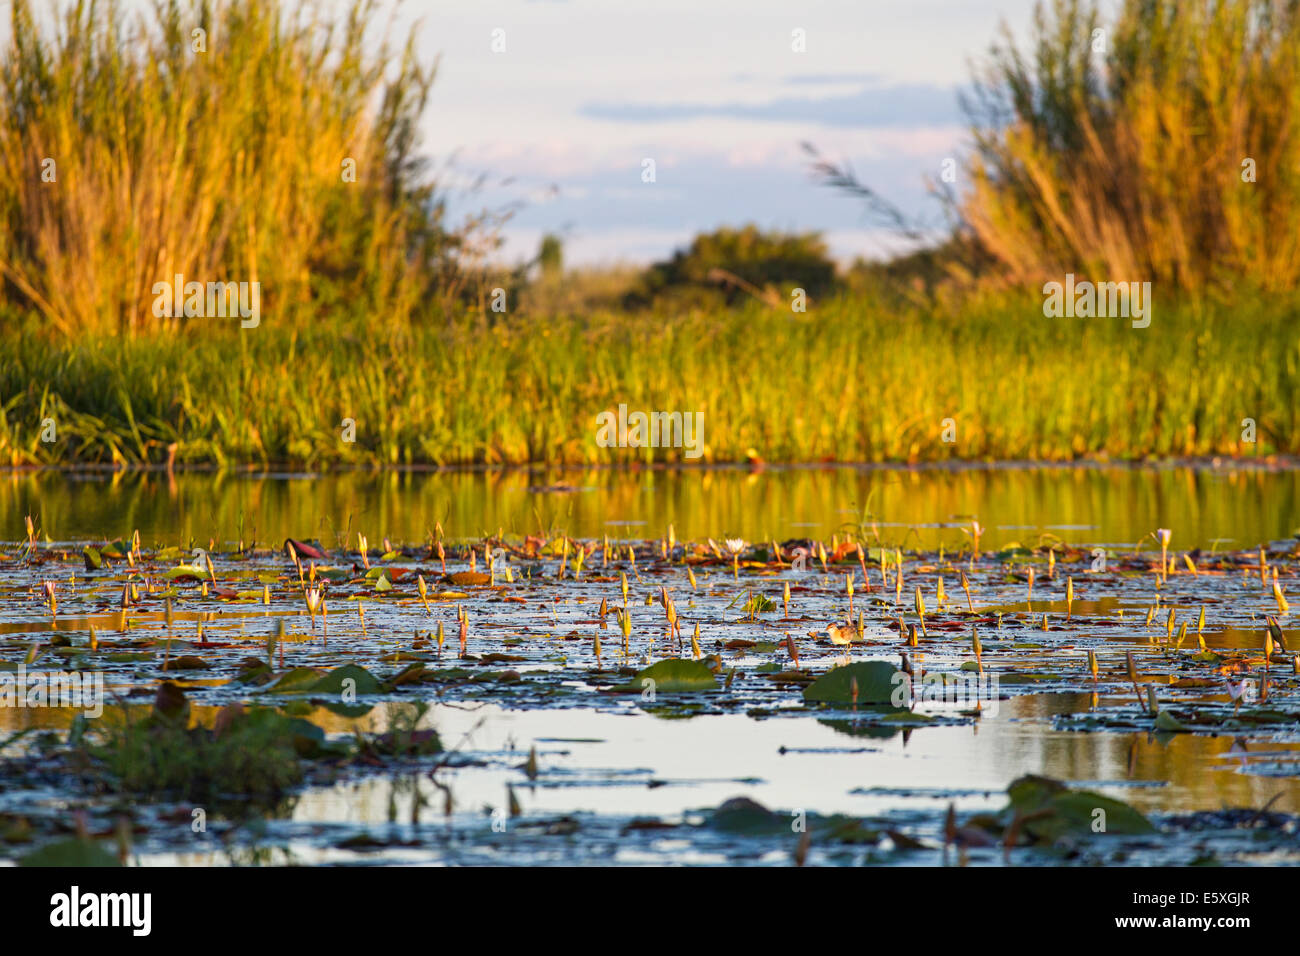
pixel 1167 721
pixel 877 682
pixel 1051 810
pixel 297 681
pixel 304 550
pixel 674 675
pixel 184 572
pixel 468 578
pixel 332 682
pixel 742 815
pixel 70 852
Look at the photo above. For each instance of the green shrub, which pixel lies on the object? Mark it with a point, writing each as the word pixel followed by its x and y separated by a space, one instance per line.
pixel 733 265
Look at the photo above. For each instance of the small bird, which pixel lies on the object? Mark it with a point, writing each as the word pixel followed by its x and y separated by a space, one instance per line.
pixel 841 634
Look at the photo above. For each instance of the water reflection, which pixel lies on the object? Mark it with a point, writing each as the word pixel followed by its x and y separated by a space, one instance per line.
pixel 1230 507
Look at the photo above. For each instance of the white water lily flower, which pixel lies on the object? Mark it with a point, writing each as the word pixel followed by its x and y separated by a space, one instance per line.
pixel 1164 534
pixel 735 545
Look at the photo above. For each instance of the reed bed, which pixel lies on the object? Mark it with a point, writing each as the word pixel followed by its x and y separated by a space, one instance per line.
pixel 233 141
pixel 853 380
pixel 1158 145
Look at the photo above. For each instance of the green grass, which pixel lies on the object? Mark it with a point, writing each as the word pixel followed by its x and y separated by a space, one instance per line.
pixel 853 380
pixel 254 759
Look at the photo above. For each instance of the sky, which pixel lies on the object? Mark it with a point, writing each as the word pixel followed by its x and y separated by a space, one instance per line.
pixel 555 105
pixel 714 92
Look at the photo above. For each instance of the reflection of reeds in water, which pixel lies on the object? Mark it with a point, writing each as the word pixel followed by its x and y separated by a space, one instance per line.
pixel 1199 769
pixel 1113 504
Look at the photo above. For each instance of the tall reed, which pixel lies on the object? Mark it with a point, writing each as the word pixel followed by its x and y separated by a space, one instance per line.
pixel 213 140
pixel 1160 146
pixel 854 380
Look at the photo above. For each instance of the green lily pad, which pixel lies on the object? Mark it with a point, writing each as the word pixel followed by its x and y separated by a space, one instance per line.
pixel 114 549
pixel 673 675
pixel 742 815
pixel 70 852
pixel 1167 721
pixel 1051 811
pixel 332 683
pixel 877 683
pixel 312 680
pixel 184 572
pixel 297 681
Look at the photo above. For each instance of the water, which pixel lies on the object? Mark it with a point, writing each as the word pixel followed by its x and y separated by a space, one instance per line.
pixel 608 763
pixel 1208 507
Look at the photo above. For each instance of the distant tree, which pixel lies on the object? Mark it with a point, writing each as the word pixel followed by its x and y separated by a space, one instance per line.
pixel 737 264
pixel 550 256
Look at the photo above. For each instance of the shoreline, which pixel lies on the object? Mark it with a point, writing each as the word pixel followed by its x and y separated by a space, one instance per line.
pixel 286 471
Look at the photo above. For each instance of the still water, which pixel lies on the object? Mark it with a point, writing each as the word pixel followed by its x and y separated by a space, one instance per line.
pixel 1207 507
pixel 607 762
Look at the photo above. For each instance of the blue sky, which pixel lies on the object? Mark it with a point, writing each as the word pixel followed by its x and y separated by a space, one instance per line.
pixel 713 92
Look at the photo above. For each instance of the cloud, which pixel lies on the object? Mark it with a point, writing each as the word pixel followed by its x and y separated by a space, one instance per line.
pixel 641 245
pixel 812 79
pixel 830 79
pixel 899 105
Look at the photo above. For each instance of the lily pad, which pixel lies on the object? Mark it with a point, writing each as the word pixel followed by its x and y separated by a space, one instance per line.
pixel 300 680
pixel 333 683
pixel 1051 810
pixel 184 572
pixel 876 682
pixel 1167 721
pixel 468 578
pixel 673 675
pixel 311 680
pixel 743 815
pixel 70 852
